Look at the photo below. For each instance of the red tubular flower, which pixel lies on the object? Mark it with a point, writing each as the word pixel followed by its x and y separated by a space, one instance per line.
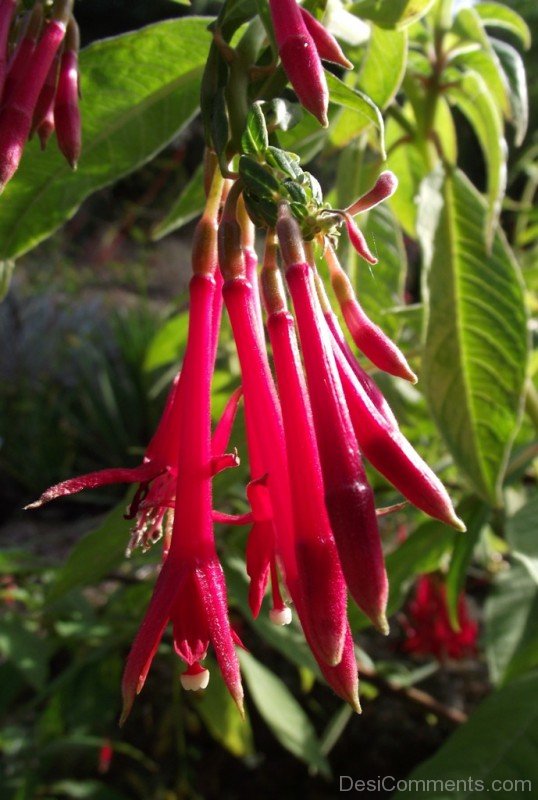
pixel 368 337
pixel 45 101
pixel 265 435
pixel 391 454
pixel 7 12
pixel 320 573
pixel 46 127
pixel 16 115
pixel 326 45
pixel 190 590
pixel 348 496
pixel 21 57
pixel 66 108
pixel 427 624
pixel 300 58
pixel 339 341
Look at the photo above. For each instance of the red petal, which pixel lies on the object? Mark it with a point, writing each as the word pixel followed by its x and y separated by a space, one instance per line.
pixel 232 519
pixel 358 241
pixel 223 431
pixel 104 477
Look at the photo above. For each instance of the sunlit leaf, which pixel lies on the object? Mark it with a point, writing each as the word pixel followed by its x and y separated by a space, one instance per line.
pixel 475 350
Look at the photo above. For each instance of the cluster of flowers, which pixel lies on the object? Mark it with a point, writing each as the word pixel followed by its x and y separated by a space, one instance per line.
pixel 314 521
pixel 427 623
pixel 302 43
pixel 39 82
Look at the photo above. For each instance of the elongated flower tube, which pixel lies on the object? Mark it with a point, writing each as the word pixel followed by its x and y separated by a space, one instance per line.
pixel 21 56
pixel 322 581
pixel 45 101
pixel 7 11
pixel 66 108
pixel 391 453
pixel 16 115
pixel 300 57
pixel 266 435
pixel 190 590
pixel 368 337
pixel 348 496
pixel 339 341
pixel 326 45
pixel 45 129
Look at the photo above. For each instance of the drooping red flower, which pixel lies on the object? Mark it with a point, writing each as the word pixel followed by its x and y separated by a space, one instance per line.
pixel 427 624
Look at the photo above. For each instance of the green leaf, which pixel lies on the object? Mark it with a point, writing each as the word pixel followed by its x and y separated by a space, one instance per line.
pixel 366 112
pixel 221 717
pixel 383 67
pixel 392 13
pixel 511 616
pixel 6 271
pixel 484 62
pixel 521 535
pixel 283 714
pixel 475 513
pixel 187 207
pixel 406 160
pixel 498 15
pixel 475 350
pixel 421 553
pixel 168 343
pixel 94 556
pixel 498 743
pixel 514 70
pixel 255 139
pixel 23 648
pixel 474 100
pixel 142 89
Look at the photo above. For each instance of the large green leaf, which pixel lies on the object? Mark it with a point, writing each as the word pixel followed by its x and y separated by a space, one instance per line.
pixel 384 65
pixel 475 513
pixel 221 717
pixel 475 348
pixel 364 109
pixel 282 713
pixel 391 13
pixel 141 89
pixel 498 15
pixel 381 74
pixel 514 71
pixel 95 555
pixel 473 97
pixel 521 535
pixel 512 624
pixel 499 743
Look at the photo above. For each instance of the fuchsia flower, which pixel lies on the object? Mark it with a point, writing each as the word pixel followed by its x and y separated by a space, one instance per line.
pixel 318 566
pixel 427 624
pixel 300 58
pixel 267 449
pixel 348 496
pixel 7 12
pixel 39 85
pixel 66 109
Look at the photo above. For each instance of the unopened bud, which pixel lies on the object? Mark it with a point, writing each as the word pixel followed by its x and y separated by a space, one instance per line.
pixel 384 187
